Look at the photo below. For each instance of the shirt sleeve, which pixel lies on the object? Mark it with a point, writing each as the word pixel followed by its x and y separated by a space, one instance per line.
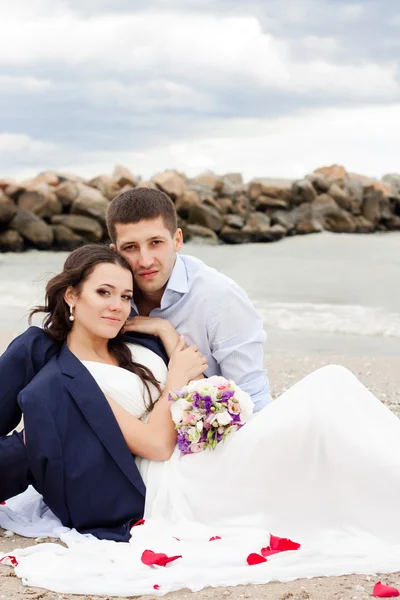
pixel 236 337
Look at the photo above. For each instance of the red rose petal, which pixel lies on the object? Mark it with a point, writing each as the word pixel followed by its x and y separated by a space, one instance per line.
pixel 2 502
pixel 156 587
pixel 215 537
pixel 255 559
pixel 384 591
pixel 160 559
pixel 175 538
pixel 11 558
pixel 282 544
pixel 140 522
pixel 267 551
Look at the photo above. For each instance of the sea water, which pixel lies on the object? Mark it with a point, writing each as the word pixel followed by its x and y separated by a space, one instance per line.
pixel 321 293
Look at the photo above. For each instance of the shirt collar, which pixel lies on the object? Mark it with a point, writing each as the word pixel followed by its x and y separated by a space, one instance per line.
pixel 178 281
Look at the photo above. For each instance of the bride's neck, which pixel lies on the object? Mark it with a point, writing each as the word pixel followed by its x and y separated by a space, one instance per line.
pixel 89 347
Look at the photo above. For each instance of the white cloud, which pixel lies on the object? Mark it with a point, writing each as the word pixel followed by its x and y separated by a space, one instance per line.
pixel 12 84
pixel 351 12
pixel 22 145
pixel 155 45
pixel 159 93
pixel 363 140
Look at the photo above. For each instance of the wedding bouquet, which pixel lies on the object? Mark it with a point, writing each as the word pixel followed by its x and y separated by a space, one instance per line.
pixel 206 411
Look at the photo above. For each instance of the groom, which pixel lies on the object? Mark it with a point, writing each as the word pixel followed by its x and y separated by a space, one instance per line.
pixel 206 307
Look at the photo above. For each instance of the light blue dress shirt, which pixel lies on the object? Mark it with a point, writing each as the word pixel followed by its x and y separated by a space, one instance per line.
pixel 212 311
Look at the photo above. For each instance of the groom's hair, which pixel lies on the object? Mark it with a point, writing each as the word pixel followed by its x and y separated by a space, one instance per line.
pixel 140 204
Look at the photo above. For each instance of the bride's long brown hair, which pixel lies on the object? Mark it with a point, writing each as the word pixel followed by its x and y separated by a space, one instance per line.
pixel 77 268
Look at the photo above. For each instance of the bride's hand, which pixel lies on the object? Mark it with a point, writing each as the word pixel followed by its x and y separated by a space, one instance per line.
pixel 185 364
pixel 154 326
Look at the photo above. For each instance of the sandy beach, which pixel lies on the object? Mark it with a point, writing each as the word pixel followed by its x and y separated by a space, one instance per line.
pixel 382 377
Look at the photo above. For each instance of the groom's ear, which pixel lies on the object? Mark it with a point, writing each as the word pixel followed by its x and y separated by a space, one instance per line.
pixel 113 247
pixel 178 239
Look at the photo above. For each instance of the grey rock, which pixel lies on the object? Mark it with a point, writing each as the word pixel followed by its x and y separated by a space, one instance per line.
pixel 198 231
pixel 275 188
pixel 123 176
pixel 43 202
pixel 393 179
pixel 225 187
pixel 11 241
pixel 241 206
pixel 33 229
pixel 90 203
pixel 303 191
pixel 206 216
pixel 88 228
pixel 106 186
pixel 376 205
pixel 235 221
pixel 65 238
pixel 67 192
pixel 264 203
pixel 185 203
pixel 225 204
pixel 8 209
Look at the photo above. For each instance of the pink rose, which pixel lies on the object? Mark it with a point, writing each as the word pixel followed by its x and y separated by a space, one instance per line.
pixel 197 447
pixel 189 419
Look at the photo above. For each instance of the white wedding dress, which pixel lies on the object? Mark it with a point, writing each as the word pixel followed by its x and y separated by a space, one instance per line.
pixel 319 465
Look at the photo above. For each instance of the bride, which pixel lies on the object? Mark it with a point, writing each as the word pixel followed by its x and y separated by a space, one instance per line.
pixel 319 465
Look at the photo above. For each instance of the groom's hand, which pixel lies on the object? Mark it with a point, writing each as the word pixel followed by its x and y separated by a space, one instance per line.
pixel 150 325
pixel 154 326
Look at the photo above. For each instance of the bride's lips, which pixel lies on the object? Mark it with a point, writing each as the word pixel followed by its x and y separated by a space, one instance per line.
pixel 148 274
pixel 113 320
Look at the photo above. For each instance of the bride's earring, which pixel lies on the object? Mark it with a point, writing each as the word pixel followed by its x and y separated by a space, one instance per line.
pixel 71 316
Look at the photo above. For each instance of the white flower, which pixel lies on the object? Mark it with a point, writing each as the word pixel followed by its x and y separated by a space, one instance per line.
pixel 177 409
pixel 217 380
pixel 224 418
pixel 246 403
pixel 203 387
pixel 199 426
pixel 193 434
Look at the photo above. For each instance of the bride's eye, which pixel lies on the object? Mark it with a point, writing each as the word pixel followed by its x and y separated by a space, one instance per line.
pixel 129 298
pixel 103 292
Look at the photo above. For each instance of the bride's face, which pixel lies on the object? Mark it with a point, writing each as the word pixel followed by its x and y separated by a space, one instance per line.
pixel 104 302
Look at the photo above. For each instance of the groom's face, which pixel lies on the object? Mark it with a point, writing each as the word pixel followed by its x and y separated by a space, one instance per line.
pixel 150 249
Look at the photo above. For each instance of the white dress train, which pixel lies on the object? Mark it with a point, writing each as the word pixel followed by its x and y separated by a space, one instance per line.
pixel 319 465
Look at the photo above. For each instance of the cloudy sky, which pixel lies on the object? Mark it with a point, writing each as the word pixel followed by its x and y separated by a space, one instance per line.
pixel 264 87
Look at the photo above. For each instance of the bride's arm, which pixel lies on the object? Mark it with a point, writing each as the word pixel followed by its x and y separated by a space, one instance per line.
pixel 155 326
pixel 156 439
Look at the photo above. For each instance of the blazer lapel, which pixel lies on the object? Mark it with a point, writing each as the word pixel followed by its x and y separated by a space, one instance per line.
pixel 97 412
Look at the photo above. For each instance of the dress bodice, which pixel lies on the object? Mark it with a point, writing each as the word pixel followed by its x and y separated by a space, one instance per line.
pixel 126 388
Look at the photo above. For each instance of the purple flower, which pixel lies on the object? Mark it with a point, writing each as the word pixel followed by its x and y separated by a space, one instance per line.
pixel 207 403
pixel 227 394
pixel 183 442
pixel 235 418
pixel 196 400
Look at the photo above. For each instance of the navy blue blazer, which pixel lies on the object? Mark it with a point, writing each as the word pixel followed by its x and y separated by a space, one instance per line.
pixel 22 360
pixel 76 452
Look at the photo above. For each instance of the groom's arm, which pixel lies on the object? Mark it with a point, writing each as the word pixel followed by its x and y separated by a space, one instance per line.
pixel 24 357
pixel 236 341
